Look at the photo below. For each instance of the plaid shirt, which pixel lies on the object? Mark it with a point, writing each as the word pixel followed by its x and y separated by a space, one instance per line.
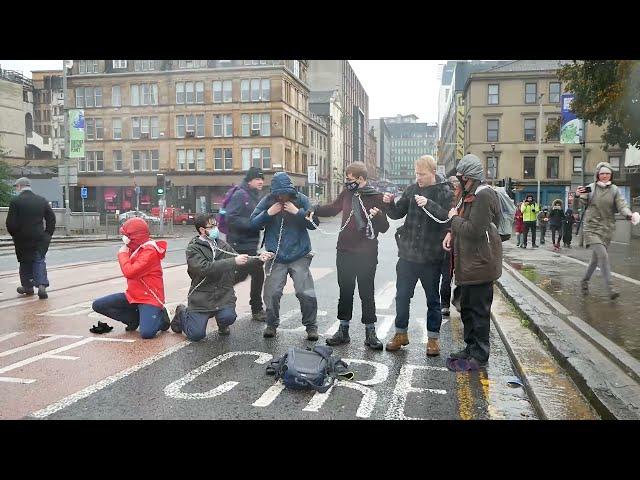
pixel 420 238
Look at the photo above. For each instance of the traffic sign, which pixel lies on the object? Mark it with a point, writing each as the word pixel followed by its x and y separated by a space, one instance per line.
pixel 312 177
pixel 83 192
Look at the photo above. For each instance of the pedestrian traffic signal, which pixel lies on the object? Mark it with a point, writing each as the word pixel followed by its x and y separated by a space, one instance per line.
pixel 160 184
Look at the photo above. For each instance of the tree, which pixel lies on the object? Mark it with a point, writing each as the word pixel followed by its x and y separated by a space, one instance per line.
pixel 5 175
pixel 607 92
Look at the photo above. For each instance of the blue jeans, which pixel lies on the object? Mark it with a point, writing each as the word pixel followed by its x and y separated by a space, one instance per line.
pixel 117 306
pixel 408 274
pixel 34 273
pixel 194 324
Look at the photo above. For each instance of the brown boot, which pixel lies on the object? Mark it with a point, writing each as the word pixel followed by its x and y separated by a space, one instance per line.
pixel 398 340
pixel 433 347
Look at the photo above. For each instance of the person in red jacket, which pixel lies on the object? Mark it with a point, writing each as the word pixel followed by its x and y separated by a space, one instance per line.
pixel 143 302
pixel 519 225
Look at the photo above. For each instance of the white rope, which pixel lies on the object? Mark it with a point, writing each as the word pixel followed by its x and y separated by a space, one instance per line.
pixel 437 220
pixel 370 234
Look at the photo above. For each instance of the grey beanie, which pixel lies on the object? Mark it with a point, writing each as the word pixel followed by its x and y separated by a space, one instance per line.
pixel 23 182
pixel 471 166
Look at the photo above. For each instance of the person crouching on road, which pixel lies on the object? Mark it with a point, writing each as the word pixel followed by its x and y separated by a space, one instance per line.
pixel 420 250
pixel 212 266
pixel 357 255
pixel 143 302
pixel 477 255
pixel 282 214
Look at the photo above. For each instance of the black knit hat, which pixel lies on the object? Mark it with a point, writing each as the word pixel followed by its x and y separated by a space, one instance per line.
pixel 253 172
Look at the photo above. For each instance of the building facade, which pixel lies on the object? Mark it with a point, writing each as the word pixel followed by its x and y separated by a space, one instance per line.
pixel 383 147
pixel 409 141
pixel 319 156
pixel 202 123
pixel 510 107
pixel 48 110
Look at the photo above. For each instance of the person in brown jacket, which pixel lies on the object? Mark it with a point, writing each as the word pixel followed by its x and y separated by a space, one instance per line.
pixel 357 256
pixel 477 256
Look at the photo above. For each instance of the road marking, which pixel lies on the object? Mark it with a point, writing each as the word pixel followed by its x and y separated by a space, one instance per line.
pixel 384 326
pixel 380 375
pixel 20 302
pixel 369 398
pixel 617 275
pixel 384 298
pixel 289 315
pixel 270 395
pixel 403 388
pixel 51 338
pixel 16 380
pixel 173 390
pixel 9 335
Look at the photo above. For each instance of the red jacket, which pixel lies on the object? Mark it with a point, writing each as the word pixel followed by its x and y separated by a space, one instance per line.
pixel 141 264
pixel 519 221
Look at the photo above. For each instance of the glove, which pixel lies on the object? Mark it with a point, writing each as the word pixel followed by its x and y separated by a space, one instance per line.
pixel 635 218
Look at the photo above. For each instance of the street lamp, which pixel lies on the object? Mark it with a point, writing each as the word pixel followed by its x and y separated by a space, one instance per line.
pixel 539 157
pixel 493 157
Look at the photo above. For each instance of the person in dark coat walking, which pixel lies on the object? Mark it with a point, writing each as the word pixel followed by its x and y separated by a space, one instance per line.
pixel 244 239
pixel 31 238
pixel 567 227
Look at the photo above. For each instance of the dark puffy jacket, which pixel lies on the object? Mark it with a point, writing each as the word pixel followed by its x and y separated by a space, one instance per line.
pixel 25 224
pixel 555 217
pixel 239 209
pixel 295 242
pixel 477 246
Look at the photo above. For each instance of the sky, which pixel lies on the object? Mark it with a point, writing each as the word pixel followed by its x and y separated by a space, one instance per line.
pixel 394 86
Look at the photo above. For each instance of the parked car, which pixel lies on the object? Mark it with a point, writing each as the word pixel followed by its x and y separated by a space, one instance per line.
pixel 136 213
pixel 179 216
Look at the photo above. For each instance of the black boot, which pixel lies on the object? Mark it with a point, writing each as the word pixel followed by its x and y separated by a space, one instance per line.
pixel 340 337
pixel 371 339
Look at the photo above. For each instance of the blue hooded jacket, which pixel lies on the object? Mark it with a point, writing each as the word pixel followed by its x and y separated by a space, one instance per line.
pixel 295 242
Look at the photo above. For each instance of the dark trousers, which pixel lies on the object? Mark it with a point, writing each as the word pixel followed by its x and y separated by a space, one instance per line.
pixel 555 230
pixel 543 232
pixel 445 282
pixel 530 226
pixel 194 324
pixel 257 281
pixel 117 306
pixel 408 274
pixel 34 273
pixel 361 267
pixel 475 302
pixel 567 235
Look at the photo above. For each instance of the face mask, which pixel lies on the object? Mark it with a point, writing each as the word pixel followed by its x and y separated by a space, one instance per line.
pixel 125 239
pixel 351 186
pixel 213 233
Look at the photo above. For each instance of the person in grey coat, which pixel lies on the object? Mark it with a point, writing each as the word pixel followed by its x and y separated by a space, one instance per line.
pixel 212 265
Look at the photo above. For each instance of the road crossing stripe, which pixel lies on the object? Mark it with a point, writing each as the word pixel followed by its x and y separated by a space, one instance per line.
pixel 9 335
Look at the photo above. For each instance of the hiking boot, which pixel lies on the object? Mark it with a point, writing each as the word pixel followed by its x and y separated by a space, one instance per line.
pixel 133 326
pixel 584 285
pixel 260 316
pixel 446 312
pixel 433 347
pixel 461 354
pixel 477 363
pixel 269 332
pixel 613 294
pixel 224 330
pixel 164 323
pixel 25 291
pixel 398 340
pixel 312 333
pixel 42 292
pixel 176 323
pixel 340 337
pixel 534 246
pixel 371 339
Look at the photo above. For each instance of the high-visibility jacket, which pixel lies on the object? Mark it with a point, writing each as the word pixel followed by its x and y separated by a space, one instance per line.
pixel 530 211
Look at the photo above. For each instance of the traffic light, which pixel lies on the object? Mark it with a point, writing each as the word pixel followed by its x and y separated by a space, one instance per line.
pixel 167 184
pixel 160 184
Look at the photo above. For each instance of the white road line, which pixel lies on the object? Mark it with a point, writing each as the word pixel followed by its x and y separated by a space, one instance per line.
pixel 617 275
pixel 16 380
pixel 403 388
pixel 384 326
pixel 385 296
pixel 270 395
pixel 51 338
pixel 9 335
pixel 20 302
pixel 96 387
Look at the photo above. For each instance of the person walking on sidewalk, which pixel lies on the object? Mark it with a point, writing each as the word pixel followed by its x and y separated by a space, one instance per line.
pixel 529 211
pixel 282 214
pixel 519 225
pixel 213 267
pixel 244 239
pixel 446 271
pixel 142 304
pixel 357 251
pixel 555 223
pixel 31 238
pixel 601 200
pixel 420 250
pixel 567 227
pixel 477 255
pixel 543 221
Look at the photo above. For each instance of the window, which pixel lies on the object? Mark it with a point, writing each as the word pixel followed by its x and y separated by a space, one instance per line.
pixel 88 66
pixel 144 94
pixel 135 160
pixel 82 165
pixel 119 64
pixel 256 157
pixel 95 161
pixel 180 130
pixel 530 93
pixel 223 125
pixel 244 91
pixel 199 92
pixel 228 159
pixel 155 127
pixel 615 163
pixel 116 128
pixel 246 158
pixel 180 92
pixel 577 164
pixel 553 167
pixel 191 160
pixel 554 92
pixel 79 97
pixel 227 91
pixel 221 162
pixel 191 125
pixel 144 127
pixel 296 68
pixel 217 125
pixel 99 129
pixel 200 125
pixel 217 92
pixel 492 167
pixel 116 97
pixel 217 159
pixel 89 129
pixel 265 129
pixel 135 95
pixel 145 160
pixel 554 137
pixel 265 90
pixel 135 127
pixel 255 90
pixel 117 160
pixel 246 119
pixel 97 92
pixel 266 158
pixel 492 129
pixel 144 65
pixel 228 126
pixel 493 95
pixel 155 160
pixel 181 158
pixel 189 93
pixel 529 167
pixel 192 64
pixel 200 165
pixel 530 130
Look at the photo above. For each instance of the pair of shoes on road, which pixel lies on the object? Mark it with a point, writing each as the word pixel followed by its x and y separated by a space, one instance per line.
pixel 533 246
pixel 433 347
pixel 25 291
pixel 398 340
pixel 176 322
pixel 42 291
pixel 102 327
pixel 341 337
pixel 259 316
pixel 312 332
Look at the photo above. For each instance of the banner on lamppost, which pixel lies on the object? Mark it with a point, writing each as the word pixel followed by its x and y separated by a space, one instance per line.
pixel 572 128
pixel 76 133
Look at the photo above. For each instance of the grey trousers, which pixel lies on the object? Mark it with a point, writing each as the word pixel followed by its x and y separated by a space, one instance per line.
pixel 599 258
pixel 303 285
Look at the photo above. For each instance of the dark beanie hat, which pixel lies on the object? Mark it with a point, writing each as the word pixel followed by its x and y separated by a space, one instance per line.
pixel 254 172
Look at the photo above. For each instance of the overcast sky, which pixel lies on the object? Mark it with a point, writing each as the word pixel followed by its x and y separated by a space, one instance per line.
pixel 394 86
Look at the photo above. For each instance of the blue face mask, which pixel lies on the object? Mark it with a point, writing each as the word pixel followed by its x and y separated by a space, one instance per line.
pixel 213 233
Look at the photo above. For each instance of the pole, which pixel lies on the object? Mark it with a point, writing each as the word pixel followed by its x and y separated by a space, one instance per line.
pixel 584 149
pixel 83 231
pixel 65 111
pixel 539 157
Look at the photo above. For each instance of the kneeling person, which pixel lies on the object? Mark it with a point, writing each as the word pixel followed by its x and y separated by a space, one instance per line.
pixel 212 266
